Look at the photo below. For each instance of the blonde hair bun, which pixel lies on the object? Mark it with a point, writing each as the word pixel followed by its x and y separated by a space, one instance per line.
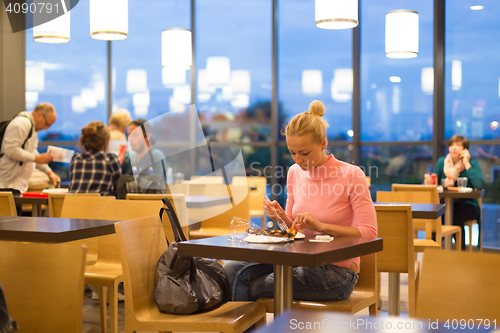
pixel 317 108
pixel 90 129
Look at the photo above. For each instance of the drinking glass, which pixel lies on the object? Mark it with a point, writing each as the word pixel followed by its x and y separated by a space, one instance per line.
pixel 462 181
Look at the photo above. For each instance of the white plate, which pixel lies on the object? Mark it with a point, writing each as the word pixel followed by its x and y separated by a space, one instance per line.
pixel 465 189
pixel 300 235
pixel 55 190
pixel 266 239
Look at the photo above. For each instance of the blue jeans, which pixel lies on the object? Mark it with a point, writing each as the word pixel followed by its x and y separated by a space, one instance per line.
pixel 249 281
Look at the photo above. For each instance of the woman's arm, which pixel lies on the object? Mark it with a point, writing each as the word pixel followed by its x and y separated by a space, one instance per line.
pixel 307 221
pixel 475 175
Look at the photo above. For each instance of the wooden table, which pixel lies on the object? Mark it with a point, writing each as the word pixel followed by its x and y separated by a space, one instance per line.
pixel 421 211
pixel 36 203
pixel 283 256
pixel 201 201
pixel 293 321
pixel 52 229
pixel 448 200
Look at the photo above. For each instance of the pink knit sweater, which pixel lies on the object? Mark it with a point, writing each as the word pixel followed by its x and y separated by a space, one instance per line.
pixel 334 193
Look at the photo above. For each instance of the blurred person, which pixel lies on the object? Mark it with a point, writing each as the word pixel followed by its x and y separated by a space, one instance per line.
pixel 314 202
pixel 139 159
pixel 19 155
pixel 458 163
pixel 118 123
pixel 95 170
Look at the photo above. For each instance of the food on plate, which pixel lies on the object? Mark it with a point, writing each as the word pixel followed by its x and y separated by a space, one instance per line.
pixel 290 233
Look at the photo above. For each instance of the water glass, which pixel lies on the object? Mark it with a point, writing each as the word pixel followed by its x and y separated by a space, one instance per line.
pixel 444 183
pixel 462 181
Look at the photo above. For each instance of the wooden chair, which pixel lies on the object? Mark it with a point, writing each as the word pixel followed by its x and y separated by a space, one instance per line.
pixel 56 201
pixel 107 271
pixel 470 223
pixel 43 285
pixel 459 285
pixel 420 244
pixel 179 203
pixel 256 196
pixel 395 228
pixel 142 242
pixel 428 194
pixel 363 296
pixel 7 204
pixel 218 225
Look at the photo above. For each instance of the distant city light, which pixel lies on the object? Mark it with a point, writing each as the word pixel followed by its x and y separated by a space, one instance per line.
pixel 350 133
pixel 494 125
pixel 373 86
pixel 459 124
pixel 476 7
pixel 395 79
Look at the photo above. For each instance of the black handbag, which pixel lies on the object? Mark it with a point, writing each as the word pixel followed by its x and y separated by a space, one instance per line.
pixel 187 284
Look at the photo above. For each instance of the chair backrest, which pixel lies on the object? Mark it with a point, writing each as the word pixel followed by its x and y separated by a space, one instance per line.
pixel 141 243
pixel 395 228
pixel 459 285
pixel 43 285
pixel 178 201
pixel 222 220
pixel 418 193
pixel 257 195
pixel 56 201
pixel 7 204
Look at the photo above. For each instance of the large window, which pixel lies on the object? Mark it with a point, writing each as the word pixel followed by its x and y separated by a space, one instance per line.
pixel 396 94
pixel 233 68
pixel 314 64
pixel 472 72
pixel 72 76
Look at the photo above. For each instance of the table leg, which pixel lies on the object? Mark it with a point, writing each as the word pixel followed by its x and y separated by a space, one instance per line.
pixel 283 288
pixel 448 220
pixel 34 210
pixel 394 297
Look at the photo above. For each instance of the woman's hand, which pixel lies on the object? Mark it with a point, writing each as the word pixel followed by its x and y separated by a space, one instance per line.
pixel 275 213
pixel 306 220
pixel 465 156
pixel 427 179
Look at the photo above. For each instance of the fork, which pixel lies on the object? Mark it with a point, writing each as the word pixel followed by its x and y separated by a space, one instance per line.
pixel 281 224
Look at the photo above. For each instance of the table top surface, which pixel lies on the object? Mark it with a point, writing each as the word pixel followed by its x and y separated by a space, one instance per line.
pixel 18 199
pixel 301 252
pixel 328 321
pixel 461 195
pixel 419 210
pixel 52 229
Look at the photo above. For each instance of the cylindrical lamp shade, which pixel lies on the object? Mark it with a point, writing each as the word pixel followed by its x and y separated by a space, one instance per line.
pixel 240 81
pixel 109 19
pixel 336 14
pixel 176 48
pixel 312 82
pixel 427 80
pixel 218 71
pixel 54 31
pixel 137 81
pixel 401 34
pixel 35 78
pixel 172 76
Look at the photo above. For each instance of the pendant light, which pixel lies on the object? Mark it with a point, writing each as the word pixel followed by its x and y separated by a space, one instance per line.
pixel 176 48
pixel 336 14
pixel 218 71
pixel 109 19
pixel 54 31
pixel 401 34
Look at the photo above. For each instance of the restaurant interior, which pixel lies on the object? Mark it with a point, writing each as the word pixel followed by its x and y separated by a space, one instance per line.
pixel 218 81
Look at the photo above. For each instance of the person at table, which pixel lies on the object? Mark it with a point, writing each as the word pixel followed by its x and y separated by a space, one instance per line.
pixel 458 163
pixel 140 142
pixel 19 154
pixel 325 195
pixel 95 170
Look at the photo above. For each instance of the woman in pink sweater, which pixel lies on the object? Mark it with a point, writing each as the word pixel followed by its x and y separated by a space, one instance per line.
pixel 326 196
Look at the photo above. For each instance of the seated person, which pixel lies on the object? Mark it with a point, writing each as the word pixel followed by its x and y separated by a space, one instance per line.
pixel 94 171
pixel 458 163
pixel 118 123
pixel 325 195
pixel 143 157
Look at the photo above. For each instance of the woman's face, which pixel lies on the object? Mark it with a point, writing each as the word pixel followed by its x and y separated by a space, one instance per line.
pixel 455 149
pixel 306 153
